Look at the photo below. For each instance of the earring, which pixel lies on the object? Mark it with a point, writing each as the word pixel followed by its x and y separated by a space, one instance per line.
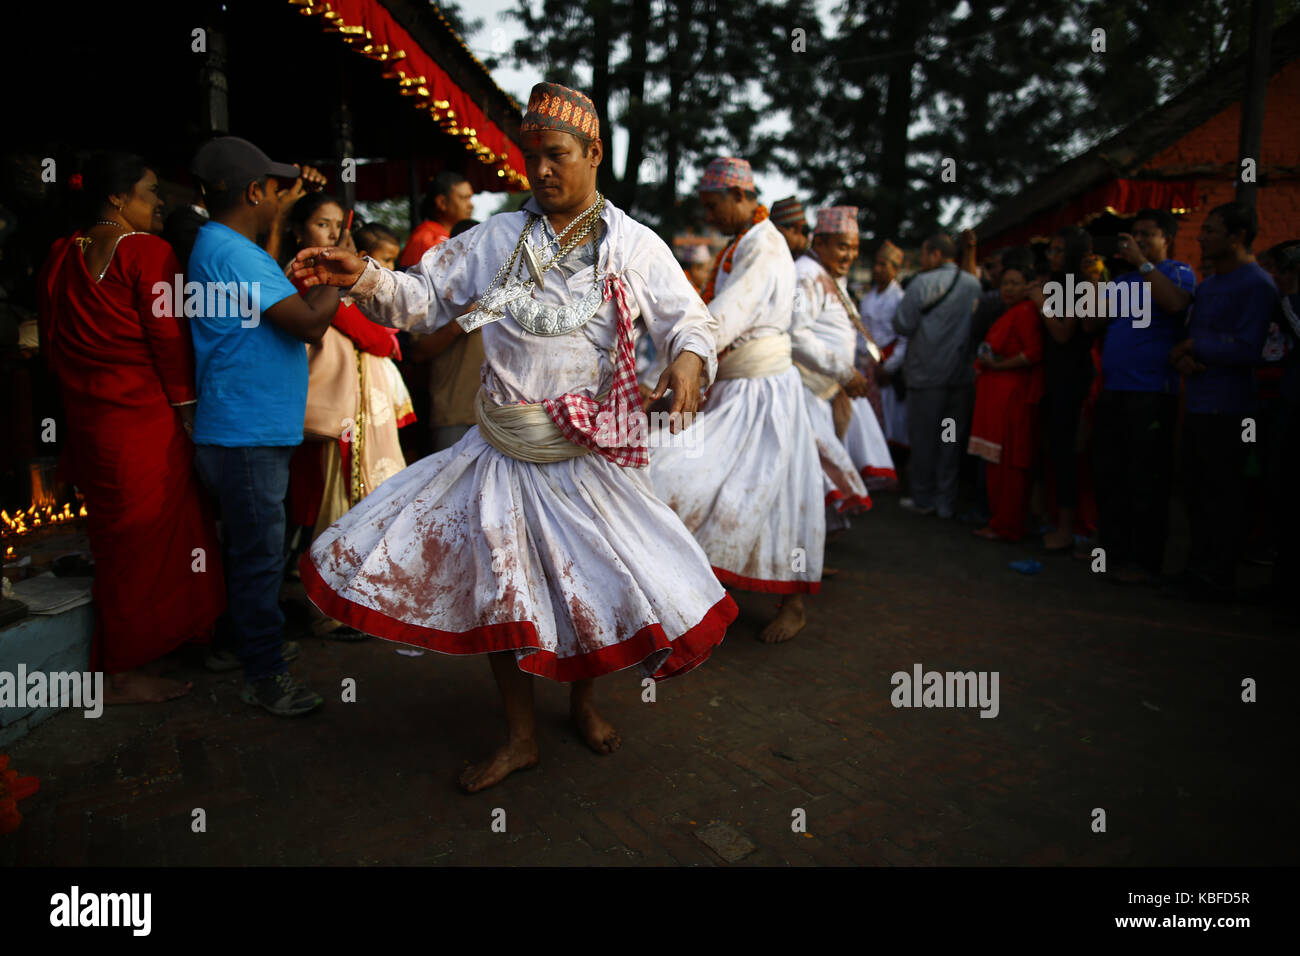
pixel 254 202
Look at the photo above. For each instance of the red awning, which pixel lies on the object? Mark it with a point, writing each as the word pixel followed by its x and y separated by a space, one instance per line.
pixel 371 31
pixel 1119 197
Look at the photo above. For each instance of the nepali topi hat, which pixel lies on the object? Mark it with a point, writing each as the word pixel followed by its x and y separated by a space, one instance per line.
pixel 837 219
pixel 555 107
pixel 789 212
pixel 725 172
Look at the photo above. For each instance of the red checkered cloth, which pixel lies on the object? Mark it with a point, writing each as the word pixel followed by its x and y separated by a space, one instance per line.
pixel 580 418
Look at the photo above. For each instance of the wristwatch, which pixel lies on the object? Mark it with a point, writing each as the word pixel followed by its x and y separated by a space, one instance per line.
pixel 1147 268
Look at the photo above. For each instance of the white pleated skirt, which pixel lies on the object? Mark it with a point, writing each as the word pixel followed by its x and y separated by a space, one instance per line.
pixel 575 566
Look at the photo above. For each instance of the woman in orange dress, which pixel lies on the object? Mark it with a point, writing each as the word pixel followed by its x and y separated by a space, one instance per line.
pixel 126 367
pixel 1007 392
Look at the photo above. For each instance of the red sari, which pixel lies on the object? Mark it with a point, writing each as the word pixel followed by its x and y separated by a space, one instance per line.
pixel 121 368
pixel 1004 426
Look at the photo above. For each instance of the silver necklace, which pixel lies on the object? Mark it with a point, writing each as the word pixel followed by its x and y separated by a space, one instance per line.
pixel 509 293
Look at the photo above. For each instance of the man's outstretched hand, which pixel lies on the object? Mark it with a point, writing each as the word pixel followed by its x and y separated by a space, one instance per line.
pixel 684 378
pixel 327 265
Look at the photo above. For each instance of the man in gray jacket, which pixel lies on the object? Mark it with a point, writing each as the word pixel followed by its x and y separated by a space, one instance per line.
pixel 935 315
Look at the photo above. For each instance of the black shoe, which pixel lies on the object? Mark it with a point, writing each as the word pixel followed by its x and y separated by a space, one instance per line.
pixel 282 695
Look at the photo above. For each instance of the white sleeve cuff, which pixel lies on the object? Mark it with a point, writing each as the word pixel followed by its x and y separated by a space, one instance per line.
pixel 368 284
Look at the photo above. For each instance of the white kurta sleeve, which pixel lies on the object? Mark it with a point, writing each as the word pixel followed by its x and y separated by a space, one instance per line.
pixel 807 349
pixel 441 286
pixel 672 311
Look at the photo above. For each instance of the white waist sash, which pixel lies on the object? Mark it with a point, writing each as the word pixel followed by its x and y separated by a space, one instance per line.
pixel 757 358
pixel 524 432
pixel 823 386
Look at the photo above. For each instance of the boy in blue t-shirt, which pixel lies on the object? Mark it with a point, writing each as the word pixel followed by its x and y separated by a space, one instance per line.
pixel 1133 429
pixel 249 332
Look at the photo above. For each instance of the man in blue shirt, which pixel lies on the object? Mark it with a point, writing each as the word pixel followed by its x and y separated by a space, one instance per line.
pixel 1133 428
pixel 249 330
pixel 1226 329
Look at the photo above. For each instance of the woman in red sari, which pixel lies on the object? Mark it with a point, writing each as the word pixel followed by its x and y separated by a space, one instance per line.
pixel 127 375
pixel 1007 392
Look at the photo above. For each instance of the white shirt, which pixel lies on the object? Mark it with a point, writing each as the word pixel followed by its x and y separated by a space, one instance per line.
pixel 521 366
pixel 878 310
pixel 823 334
pixel 756 298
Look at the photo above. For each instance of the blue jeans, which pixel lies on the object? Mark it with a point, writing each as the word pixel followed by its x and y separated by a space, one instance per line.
pixel 250 484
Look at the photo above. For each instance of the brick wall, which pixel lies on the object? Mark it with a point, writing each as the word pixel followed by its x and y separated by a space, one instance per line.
pixel 1215 141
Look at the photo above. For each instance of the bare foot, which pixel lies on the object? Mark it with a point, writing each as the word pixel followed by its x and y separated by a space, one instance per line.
pixel 788 622
pixel 598 732
pixel 830 572
pixel 514 755
pixel 134 687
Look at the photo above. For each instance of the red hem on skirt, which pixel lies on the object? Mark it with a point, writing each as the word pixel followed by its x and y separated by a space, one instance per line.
pixel 733 580
pixel 855 505
pixel 688 651
pixel 870 471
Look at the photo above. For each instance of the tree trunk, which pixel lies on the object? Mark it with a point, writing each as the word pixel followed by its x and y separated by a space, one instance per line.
pixel 669 217
pixel 894 142
pixel 602 12
pixel 1250 143
pixel 634 76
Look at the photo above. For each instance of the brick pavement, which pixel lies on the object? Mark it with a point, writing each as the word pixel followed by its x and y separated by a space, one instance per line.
pixel 1109 698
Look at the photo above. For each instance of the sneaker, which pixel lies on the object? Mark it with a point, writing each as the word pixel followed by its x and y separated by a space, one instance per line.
pixel 228 660
pixel 909 504
pixel 282 695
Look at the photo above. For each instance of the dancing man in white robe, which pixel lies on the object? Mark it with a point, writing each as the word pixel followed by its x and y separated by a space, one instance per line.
pixel 754 500
pixel 823 337
pixel 833 318
pixel 536 538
